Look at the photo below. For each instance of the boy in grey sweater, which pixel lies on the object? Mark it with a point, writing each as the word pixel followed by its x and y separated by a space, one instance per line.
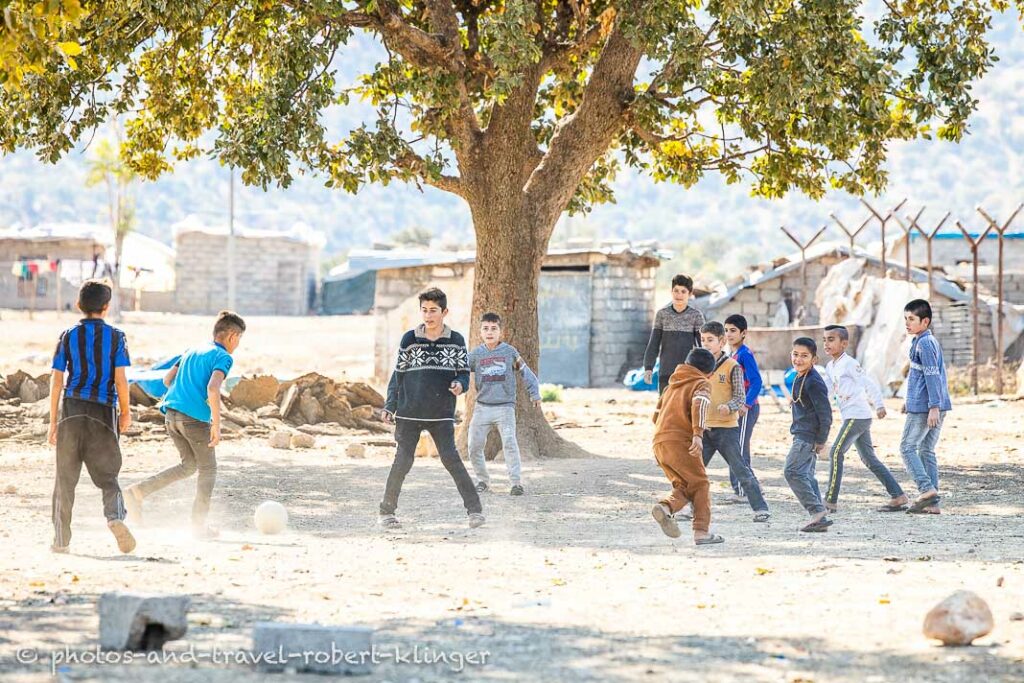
pixel 493 365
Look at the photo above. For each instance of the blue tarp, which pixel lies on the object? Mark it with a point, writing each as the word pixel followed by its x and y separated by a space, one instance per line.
pixel 634 379
pixel 151 379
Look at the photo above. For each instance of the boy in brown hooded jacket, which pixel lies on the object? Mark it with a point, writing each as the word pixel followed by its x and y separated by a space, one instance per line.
pixel 678 446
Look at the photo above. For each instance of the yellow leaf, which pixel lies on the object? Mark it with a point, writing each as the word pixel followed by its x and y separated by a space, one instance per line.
pixel 558 582
pixel 72 63
pixel 70 48
pixel 761 571
pixel 883 601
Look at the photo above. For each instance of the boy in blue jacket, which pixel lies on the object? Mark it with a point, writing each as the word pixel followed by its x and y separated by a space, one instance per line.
pixel 926 407
pixel 812 419
pixel 735 335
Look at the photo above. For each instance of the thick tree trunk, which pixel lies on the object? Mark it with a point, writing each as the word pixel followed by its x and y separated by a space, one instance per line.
pixel 509 254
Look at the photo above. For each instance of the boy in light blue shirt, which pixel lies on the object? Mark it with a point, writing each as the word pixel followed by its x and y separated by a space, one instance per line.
pixel 192 417
pixel 926 407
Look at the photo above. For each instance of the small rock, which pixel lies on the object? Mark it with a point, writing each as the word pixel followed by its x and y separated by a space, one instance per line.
pixel 366 412
pixel 309 408
pixel 281 440
pixel 29 392
pixel 302 440
pixel 11 488
pixel 271 411
pixel 1017 616
pixel 356 450
pixel 959 619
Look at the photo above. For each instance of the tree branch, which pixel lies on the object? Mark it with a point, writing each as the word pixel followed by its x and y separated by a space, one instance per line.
pixel 559 56
pixel 410 161
pixel 586 134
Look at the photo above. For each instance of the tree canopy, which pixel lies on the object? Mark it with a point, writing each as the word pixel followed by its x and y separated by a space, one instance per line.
pixel 789 95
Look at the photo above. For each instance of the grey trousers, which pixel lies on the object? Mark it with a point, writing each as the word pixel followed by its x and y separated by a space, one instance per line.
pixel 504 418
pixel 192 439
pixel 799 474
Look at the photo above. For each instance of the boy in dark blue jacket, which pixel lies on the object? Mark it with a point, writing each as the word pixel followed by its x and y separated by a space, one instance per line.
pixel 432 370
pixel 812 419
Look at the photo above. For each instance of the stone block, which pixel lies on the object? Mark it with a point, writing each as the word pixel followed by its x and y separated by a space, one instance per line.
pixel 281 439
pixel 137 621
pixel 770 295
pixel 312 648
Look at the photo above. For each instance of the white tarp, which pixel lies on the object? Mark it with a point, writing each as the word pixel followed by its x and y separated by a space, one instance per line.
pixel 848 296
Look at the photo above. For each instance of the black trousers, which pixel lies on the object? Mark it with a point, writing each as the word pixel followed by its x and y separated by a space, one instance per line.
pixel 407 434
pixel 86 435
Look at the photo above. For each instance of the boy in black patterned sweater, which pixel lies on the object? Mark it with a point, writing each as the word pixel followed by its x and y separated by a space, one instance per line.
pixel 432 370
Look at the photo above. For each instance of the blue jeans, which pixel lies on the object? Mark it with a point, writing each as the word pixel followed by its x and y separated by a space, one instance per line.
pixel 726 440
pixel 747 423
pixel 800 476
pixel 918 449
pixel 857 433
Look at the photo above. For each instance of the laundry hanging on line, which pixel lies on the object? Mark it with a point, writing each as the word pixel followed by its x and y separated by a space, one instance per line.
pixel 28 268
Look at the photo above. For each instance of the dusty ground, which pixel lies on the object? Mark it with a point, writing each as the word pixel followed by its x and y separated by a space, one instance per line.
pixel 574 581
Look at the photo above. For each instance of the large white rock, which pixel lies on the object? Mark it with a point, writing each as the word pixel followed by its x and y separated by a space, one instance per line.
pixel 140 621
pixel 312 647
pixel 959 619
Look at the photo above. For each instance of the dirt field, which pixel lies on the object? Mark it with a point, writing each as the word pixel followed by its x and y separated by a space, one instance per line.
pixel 573 582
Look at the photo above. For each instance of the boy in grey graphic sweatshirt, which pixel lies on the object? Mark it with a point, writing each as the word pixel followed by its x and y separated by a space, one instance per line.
pixel 494 364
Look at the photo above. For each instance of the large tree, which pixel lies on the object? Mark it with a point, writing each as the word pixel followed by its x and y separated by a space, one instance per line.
pixel 523 108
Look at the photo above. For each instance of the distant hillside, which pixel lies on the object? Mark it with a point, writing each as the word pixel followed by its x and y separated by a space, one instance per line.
pixel 987 168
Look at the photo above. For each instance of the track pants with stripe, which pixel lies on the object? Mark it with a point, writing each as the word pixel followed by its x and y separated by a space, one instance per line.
pixel 857 433
pixel 86 435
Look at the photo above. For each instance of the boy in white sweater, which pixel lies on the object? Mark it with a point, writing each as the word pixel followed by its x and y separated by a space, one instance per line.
pixel 859 399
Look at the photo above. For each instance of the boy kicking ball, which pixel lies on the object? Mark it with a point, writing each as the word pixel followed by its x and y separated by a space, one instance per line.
pixel 679 446
pixel 494 365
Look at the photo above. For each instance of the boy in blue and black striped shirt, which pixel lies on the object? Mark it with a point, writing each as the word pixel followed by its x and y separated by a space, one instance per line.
pixel 93 412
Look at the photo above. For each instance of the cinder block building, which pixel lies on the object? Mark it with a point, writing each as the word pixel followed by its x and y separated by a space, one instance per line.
pixel 596 308
pixel 276 273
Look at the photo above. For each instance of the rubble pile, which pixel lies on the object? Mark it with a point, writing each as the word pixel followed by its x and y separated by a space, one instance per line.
pixel 308 406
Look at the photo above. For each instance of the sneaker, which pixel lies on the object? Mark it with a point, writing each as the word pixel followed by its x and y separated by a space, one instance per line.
pixel 133 504
pixel 204 533
pixel 62 549
pixel 737 499
pixel 389 522
pixel 517 490
pixel 125 540
pixel 663 516
pixel 476 519
pixel 481 486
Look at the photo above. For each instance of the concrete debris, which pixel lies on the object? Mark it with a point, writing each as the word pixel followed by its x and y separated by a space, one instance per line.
pixel 254 392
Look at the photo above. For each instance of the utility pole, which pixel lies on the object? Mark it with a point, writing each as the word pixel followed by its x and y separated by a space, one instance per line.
pixel 232 303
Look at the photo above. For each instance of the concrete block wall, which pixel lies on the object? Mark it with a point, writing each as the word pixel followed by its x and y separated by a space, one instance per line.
pixel 623 304
pixel 272 274
pixel 1013 285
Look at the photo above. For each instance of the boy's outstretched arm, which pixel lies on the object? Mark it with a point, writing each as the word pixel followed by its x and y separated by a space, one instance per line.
pixel 818 396
pixel 462 372
pixel 56 388
pixel 653 348
pixel 395 385
pixel 213 398
pixel 530 379
pixel 752 375
pixel 124 418
pixel 171 374
pixel 699 407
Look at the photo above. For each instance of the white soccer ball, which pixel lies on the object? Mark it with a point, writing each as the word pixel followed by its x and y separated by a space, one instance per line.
pixel 270 517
